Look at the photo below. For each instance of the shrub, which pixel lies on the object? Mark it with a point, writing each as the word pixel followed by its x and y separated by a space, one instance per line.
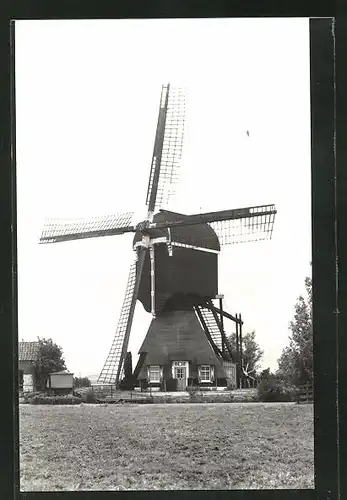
pixel 230 385
pixel 273 389
pixel 244 398
pixel 193 391
pixel 81 382
pixel 28 396
pixel 88 396
pixel 41 399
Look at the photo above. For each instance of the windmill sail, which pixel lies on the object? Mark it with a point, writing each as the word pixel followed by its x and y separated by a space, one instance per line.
pixel 112 370
pixel 244 230
pixel 167 148
pixel 231 226
pixel 255 228
pixel 56 230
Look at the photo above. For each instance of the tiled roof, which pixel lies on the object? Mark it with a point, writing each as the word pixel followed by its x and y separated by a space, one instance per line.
pixel 178 336
pixel 28 351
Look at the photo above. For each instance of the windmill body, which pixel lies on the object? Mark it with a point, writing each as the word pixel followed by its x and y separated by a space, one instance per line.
pixel 176 346
pixel 179 270
pixel 175 272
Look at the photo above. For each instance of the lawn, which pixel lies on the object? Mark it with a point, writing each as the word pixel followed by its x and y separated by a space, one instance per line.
pixel 178 446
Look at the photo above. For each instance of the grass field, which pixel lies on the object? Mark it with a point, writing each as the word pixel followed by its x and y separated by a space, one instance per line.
pixel 181 446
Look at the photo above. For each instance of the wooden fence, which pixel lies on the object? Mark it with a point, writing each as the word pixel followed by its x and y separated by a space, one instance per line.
pixel 108 393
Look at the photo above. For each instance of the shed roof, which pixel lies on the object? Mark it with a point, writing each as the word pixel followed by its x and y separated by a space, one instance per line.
pixel 62 372
pixel 28 351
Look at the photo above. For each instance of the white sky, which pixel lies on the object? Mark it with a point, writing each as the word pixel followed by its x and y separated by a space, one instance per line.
pixel 87 96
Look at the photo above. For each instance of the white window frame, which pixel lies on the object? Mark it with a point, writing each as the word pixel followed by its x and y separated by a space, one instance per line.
pixel 211 379
pixel 180 364
pixel 202 370
pixel 159 371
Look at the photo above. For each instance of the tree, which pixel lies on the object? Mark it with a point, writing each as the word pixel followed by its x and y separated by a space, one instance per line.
pixel 251 352
pixel 266 374
pixel 81 382
pixel 50 359
pixel 296 361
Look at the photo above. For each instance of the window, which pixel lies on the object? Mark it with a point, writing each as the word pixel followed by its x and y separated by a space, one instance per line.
pixel 180 369
pixel 205 373
pixel 154 374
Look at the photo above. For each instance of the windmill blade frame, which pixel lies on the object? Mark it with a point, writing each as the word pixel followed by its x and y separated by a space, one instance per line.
pixel 168 146
pixel 245 230
pixel 69 229
pixel 113 365
pixel 251 220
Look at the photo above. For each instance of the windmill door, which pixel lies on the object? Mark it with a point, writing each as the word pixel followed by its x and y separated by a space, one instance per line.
pixel 180 373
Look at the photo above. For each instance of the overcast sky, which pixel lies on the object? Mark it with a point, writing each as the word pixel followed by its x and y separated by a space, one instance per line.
pixel 87 96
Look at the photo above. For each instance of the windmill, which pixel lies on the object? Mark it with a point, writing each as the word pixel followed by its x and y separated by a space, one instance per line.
pixel 174 273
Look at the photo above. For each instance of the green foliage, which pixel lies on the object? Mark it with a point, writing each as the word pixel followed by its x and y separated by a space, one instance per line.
pixel 244 398
pixel 296 361
pixel 266 374
pixel 89 396
pixel 194 390
pixel 81 382
pixel 50 359
pixel 251 351
pixel 42 399
pixel 271 389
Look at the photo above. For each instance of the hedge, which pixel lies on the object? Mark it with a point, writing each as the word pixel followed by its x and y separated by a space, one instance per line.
pixel 54 400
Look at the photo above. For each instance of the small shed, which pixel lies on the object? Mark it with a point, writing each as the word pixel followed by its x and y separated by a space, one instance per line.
pixel 28 353
pixel 60 382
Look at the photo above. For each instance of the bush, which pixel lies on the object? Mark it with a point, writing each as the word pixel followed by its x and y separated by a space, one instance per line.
pixel 231 386
pixel 193 391
pixel 244 398
pixel 273 389
pixel 41 399
pixel 81 382
pixel 88 396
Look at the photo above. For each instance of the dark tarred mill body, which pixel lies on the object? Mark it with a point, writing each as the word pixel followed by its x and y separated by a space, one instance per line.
pixel 175 272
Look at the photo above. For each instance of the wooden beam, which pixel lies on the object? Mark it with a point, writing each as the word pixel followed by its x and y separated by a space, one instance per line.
pixel 237 353
pixel 208 335
pixel 241 355
pixel 227 315
pixel 204 218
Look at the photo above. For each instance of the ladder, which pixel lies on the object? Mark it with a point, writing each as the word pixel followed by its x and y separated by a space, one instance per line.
pixel 212 326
